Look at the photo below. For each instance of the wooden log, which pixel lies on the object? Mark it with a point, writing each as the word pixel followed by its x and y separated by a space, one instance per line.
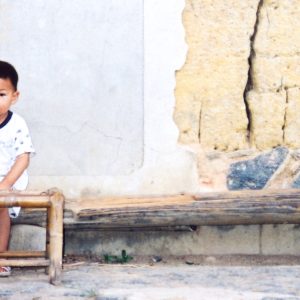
pixel 24 262
pixel 232 208
pixel 235 207
pixel 73 226
pixel 55 230
pixel 23 254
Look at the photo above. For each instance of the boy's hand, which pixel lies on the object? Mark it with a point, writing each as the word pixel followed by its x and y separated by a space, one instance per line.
pixel 20 165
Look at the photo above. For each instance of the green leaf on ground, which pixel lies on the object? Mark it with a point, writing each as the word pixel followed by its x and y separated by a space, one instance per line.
pixel 117 259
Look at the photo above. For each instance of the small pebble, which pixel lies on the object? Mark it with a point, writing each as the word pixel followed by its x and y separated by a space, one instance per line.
pixel 156 258
pixel 210 259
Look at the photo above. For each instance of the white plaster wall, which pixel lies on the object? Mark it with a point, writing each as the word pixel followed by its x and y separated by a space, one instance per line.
pixel 81 69
pixel 164 167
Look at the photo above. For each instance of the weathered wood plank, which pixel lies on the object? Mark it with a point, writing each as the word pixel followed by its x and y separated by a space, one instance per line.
pixel 238 207
pixel 181 211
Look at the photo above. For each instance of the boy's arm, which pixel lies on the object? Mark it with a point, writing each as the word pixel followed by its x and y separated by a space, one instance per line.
pixel 20 165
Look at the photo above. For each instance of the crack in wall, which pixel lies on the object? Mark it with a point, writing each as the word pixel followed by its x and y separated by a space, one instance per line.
pixel 199 132
pixel 249 84
pixel 285 114
pixel 209 109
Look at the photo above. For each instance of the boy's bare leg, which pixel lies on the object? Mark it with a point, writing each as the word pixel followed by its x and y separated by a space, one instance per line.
pixel 4 229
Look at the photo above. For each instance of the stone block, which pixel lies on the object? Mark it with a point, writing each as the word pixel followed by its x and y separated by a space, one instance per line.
pixel 275 72
pixel 206 240
pixel 283 239
pixel 218 240
pixel 292 123
pixel 212 82
pixel 296 183
pixel 286 173
pixel 219 27
pixel 255 173
pixel 210 106
pixel 279 28
pixel 27 237
pixel 267 114
pixel 270 74
pixel 223 123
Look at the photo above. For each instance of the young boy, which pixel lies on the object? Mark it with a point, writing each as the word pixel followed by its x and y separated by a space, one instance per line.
pixel 15 149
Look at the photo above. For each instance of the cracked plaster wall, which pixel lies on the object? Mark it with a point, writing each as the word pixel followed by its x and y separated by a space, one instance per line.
pixel 224 87
pixel 78 82
pixel 97 86
pixel 239 86
pixel 237 94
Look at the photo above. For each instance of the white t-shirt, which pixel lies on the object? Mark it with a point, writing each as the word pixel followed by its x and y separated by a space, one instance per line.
pixel 14 141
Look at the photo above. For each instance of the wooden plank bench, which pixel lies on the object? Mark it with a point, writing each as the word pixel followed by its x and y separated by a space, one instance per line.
pixel 226 208
pixel 53 201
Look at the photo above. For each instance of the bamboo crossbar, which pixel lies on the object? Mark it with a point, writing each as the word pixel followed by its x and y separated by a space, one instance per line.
pixel 26 199
pixel 25 262
pixel 53 201
pixel 41 202
pixel 23 254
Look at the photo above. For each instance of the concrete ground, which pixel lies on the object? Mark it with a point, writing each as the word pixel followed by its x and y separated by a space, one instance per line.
pixel 187 280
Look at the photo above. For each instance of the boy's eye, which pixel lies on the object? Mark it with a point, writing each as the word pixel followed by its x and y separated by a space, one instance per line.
pixel 2 94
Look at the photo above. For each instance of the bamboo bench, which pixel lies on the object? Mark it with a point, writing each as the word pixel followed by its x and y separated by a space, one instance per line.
pixel 53 201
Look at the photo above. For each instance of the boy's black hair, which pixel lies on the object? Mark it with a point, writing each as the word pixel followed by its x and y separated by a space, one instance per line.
pixel 7 71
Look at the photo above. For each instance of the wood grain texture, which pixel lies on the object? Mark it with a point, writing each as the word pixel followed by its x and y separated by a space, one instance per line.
pixel 235 207
pixel 222 208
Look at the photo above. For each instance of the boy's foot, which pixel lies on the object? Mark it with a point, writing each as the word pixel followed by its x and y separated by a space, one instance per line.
pixel 5 271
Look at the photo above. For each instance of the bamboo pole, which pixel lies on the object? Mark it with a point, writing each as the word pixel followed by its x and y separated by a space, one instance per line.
pixel 30 202
pixel 24 262
pixel 23 254
pixel 47 246
pixel 4 193
pixel 26 199
pixel 55 246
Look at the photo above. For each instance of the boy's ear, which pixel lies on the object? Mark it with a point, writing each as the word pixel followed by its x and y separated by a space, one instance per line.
pixel 15 97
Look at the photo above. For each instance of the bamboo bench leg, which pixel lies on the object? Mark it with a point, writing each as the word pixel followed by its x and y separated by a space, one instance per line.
pixel 55 237
pixel 52 200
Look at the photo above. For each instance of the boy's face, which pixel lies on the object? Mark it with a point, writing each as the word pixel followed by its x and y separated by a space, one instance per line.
pixel 8 96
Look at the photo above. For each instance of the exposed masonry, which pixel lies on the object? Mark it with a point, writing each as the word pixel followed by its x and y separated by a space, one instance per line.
pixel 285 114
pixel 249 84
pixel 234 91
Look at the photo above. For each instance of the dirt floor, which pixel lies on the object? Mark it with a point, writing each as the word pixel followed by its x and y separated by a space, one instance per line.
pixel 162 278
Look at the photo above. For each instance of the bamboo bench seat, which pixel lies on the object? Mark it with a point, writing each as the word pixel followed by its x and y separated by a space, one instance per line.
pixel 53 201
